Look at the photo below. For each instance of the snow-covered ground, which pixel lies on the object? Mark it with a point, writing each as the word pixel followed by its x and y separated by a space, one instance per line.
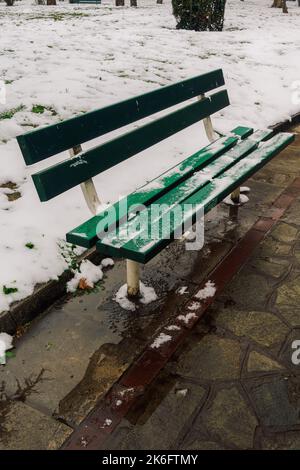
pixel 69 59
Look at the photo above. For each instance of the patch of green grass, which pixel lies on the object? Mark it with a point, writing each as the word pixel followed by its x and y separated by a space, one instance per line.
pixel 9 290
pixel 29 245
pixel 40 109
pixel 9 354
pixel 11 112
pixel 8 82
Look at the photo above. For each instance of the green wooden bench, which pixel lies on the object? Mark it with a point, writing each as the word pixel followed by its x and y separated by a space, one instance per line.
pixel 201 180
pixel 97 2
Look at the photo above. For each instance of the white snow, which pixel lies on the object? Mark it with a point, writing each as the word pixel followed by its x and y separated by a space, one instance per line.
pixel 182 290
pixel 5 345
pixel 160 340
pixel 208 291
pixel 243 199
pixel 147 295
pixel 107 262
pixel 107 422
pixel 182 392
pixel 194 306
pixel 173 328
pixel 73 58
pixel 88 272
pixel 187 317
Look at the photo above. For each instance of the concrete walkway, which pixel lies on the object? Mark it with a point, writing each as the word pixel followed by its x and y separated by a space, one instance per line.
pixel 231 385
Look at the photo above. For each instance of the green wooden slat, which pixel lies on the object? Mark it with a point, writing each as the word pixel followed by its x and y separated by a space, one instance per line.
pixel 242 131
pixel 86 234
pixel 142 249
pixel 69 173
pixel 43 143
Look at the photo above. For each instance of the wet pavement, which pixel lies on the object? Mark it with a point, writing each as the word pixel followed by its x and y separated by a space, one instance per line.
pixel 231 385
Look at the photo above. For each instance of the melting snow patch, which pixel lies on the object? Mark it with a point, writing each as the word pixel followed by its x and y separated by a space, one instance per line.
pixel 161 339
pixel 194 306
pixel 182 290
pixel 147 293
pixel 208 291
pixel 229 201
pixel 245 189
pixel 182 392
pixel 106 262
pixel 107 423
pixel 88 273
pixel 190 235
pixel 186 318
pixel 173 328
pixel 5 344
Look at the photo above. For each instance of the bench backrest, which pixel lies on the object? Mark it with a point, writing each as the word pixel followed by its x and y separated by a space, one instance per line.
pixel 43 143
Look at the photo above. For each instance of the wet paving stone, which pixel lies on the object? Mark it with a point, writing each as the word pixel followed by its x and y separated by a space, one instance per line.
pixel 193 265
pixel 272 248
pixel 290 313
pixel 266 175
pixel 198 444
pixel 274 267
pixel 292 216
pixel 100 306
pixel 211 358
pixel 284 232
pixel 228 419
pixel 24 428
pixel 106 366
pixel 250 290
pixel 158 420
pixel 277 401
pixel 262 327
pixel 258 362
pixel 289 293
pixel 59 345
pixel 289 440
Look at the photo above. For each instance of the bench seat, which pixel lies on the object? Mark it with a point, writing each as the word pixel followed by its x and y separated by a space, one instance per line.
pixel 85 235
pixel 203 179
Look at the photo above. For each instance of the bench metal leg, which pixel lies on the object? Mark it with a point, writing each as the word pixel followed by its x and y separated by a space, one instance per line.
pixel 88 187
pixel 133 278
pixel 235 195
pixel 208 124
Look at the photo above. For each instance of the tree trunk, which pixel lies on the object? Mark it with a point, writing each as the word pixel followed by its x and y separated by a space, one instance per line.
pixel 160 2
pixel 133 3
pixel 120 3
pixel 199 15
pixel 51 2
pixel 9 3
pixel 280 4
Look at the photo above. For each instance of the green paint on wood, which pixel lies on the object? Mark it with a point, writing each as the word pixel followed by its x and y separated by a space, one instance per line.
pixel 43 143
pixel 86 234
pixel 69 173
pixel 138 246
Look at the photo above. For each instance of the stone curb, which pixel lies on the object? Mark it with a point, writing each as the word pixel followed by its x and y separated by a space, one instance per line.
pixel 43 297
